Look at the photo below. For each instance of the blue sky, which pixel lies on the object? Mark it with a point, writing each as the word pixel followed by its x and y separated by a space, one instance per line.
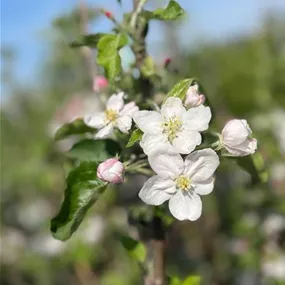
pixel 23 21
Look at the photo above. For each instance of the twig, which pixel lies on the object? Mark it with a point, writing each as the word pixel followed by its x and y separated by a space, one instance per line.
pixel 138 6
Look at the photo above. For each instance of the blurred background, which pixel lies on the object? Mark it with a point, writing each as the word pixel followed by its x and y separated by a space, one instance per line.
pixel 236 49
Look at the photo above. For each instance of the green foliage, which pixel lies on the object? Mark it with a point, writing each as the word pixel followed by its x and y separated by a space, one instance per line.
pixel 90 40
pixel 83 190
pixel 95 150
pixel 108 53
pixel 134 137
pixel 180 89
pixel 148 67
pixel 75 127
pixel 174 280
pixel 135 249
pixel 173 11
pixel 192 280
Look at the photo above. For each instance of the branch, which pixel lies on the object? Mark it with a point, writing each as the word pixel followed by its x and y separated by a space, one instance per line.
pixel 138 6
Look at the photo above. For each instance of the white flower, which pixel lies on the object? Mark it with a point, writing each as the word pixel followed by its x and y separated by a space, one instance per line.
pixel 181 182
pixel 173 129
pixel 116 115
pixel 193 98
pixel 235 138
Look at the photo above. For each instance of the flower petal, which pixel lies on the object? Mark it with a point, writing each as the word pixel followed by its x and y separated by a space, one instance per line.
pixel 186 141
pixel 185 205
pixel 153 143
pixel 249 146
pixel 235 132
pixel 197 119
pixel 116 102
pixel 124 123
pixel 149 121
pixel 105 132
pixel 200 165
pixel 166 165
pixel 172 107
pixel 130 109
pixel 157 190
pixel 205 187
pixel 96 121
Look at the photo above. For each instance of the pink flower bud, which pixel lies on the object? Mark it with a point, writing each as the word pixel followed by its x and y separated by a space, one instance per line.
pixel 235 138
pixel 167 61
pixel 193 98
pixel 111 170
pixel 100 83
pixel 108 14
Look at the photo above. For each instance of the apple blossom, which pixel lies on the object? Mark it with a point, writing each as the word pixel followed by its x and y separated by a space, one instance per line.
pixel 111 170
pixel 117 114
pixel 181 182
pixel 235 138
pixel 193 98
pixel 100 83
pixel 173 128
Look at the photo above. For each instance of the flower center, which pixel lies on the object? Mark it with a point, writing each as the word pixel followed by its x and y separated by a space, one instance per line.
pixel 183 182
pixel 172 127
pixel 111 115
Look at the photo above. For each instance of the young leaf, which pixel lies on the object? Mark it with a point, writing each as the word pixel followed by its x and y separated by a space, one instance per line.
pixel 192 280
pixel 83 189
pixel 75 127
pixel 172 12
pixel 148 67
pixel 174 280
pixel 95 150
pixel 108 53
pixel 135 137
pixel 90 40
pixel 180 89
pixel 135 249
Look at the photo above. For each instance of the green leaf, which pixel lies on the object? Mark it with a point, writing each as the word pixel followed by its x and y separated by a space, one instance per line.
pixel 83 189
pixel 174 280
pixel 135 137
pixel 95 150
pixel 192 280
pixel 108 53
pixel 180 89
pixel 135 249
pixel 90 40
pixel 75 127
pixel 148 67
pixel 172 12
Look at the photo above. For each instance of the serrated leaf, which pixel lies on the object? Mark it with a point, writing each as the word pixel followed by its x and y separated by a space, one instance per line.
pixel 135 249
pixel 75 127
pixel 180 89
pixel 90 40
pixel 95 150
pixel 135 137
pixel 83 189
pixel 192 280
pixel 172 12
pixel 108 53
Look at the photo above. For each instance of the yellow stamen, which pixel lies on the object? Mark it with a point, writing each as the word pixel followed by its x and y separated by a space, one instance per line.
pixel 111 115
pixel 172 127
pixel 183 182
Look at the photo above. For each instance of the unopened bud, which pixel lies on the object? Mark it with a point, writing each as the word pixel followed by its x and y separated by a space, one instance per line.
pixel 108 14
pixel 111 170
pixel 193 98
pixel 167 61
pixel 100 83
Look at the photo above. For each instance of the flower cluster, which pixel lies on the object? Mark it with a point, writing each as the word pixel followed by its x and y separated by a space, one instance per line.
pixel 170 137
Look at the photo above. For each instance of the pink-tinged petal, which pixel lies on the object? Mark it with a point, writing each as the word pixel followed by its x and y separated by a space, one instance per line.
pixel 149 121
pixel 235 132
pixel 95 121
pixel 157 190
pixel 185 205
pixel 186 141
pixel 111 170
pixel 205 187
pixel 116 102
pixel 100 83
pixel 201 164
pixel 166 165
pixel 197 119
pixel 105 132
pixel 172 107
pixel 248 147
pixel 124 123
